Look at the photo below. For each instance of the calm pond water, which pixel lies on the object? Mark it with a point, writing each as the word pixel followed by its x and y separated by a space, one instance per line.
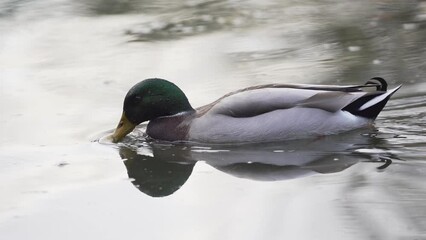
pixel 65 67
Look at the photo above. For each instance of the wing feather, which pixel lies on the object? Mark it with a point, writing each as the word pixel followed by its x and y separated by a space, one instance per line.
pixel 260 99
pixel 330 101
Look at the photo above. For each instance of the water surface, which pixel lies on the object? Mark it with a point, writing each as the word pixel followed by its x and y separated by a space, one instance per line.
pixel 65 67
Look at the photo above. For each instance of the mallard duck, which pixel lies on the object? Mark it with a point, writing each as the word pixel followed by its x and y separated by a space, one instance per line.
pixel 264 113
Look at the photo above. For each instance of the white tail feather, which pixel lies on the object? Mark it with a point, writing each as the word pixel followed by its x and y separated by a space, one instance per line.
pixel 378 99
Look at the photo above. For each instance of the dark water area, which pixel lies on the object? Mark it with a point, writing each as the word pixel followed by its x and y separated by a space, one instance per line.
pixel 65 67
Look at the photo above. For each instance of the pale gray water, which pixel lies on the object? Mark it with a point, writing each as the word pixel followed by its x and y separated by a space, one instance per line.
pixel 65 67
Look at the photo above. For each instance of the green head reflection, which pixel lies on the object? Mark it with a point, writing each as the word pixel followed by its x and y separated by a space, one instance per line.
pixel 157 176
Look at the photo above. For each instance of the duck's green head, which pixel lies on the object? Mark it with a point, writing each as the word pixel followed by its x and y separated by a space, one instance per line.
pixel 150 99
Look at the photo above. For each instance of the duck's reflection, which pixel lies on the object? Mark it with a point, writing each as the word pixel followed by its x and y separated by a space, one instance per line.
pixel 159 169
pixel 159 173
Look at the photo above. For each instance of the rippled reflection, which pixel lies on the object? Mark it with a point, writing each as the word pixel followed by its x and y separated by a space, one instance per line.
pixel 158 175
pixel 159 169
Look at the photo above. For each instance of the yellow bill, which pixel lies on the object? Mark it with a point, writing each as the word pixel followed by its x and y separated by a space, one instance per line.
pixel 124 127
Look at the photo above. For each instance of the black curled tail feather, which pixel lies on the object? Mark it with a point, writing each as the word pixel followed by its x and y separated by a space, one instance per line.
pixel 381 84
pixel 371 104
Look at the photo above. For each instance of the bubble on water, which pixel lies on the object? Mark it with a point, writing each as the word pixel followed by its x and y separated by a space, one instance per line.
pixel 377 61
pixel 278 151
pixel 421 17
pixel 221 20
pixel 157 25
pixel 187 30
pixel 207 18
pixel 144 30
pixel 238 22
pixel 354 48
pixel 200 28
pixel 409 26
pixel 374 23
pixel 258 14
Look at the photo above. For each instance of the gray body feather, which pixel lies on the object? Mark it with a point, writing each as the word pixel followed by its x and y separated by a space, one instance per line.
pixel 277 112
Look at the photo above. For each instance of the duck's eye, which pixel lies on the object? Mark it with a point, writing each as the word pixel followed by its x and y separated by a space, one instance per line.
pixel 131 101
pixel 137 99
pixel 120 124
